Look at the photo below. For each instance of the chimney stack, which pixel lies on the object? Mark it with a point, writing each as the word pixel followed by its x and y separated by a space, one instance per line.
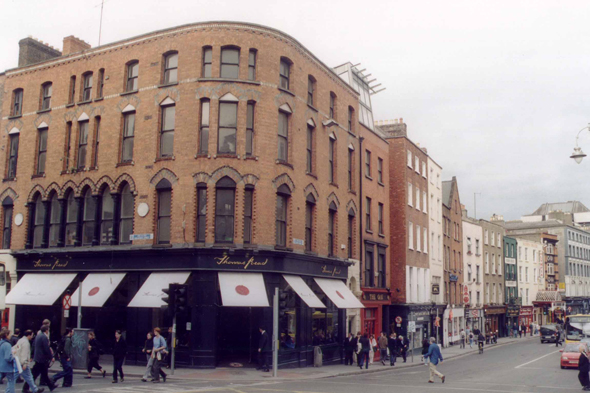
pixel 393 128
pixel 33 51
pixel 73 44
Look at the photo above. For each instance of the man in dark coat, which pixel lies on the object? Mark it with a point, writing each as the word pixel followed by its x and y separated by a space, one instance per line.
pixel 349 347
pixel 263 350
pixel 43 356
pixel 402 346
pixel 356 348
pixel 584 368
pixel 558 337
pixel 392 346
pixel 365 349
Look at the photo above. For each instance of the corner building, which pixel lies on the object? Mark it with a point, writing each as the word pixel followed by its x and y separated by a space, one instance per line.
pixel 221 155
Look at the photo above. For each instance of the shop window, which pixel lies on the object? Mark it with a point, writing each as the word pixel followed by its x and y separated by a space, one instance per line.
pixel 201 212
pixel 38 221
pixel 171 68
pixel 230 63
pixel 71 219
pixel 204 129
pixel 54 221
pixel 164 190
pixel 248 213
pixel 289 306
pixel 127 210
pixel 324 321
pixel 7 209
pixel 225 192
pixel 309 209
pixel 283 195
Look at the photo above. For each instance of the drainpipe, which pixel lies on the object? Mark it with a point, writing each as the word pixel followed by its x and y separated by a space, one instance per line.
pixel 361 139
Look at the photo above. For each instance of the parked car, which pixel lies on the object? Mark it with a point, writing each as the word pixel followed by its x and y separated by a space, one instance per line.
pixel 570 356
pixel 547 333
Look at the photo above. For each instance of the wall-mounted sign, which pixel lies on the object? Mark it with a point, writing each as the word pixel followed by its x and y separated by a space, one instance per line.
pixel 18 219
pixel 141 236
pixel 375 296
pixel 453 277
pixel 143 209
pixel 435 289
pixel 298 242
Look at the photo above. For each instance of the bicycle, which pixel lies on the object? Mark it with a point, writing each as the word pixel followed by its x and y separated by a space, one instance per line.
pixel 480 345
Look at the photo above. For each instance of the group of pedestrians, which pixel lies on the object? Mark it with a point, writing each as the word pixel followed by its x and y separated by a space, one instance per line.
pixel 155 350
pixel 364 347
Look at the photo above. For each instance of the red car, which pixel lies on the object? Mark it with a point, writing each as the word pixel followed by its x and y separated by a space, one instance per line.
pixel 570 355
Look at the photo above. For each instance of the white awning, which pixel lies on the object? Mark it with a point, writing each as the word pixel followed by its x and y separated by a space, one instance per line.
pixel 150 294
pixel 338 293
pixel 97 288
pixel 304 291
pixel 39 289
pixel 243 290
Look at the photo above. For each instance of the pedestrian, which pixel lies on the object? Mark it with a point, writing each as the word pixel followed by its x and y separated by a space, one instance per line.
pixel 263 348
pixel 374 348
pixel 383 347
pixel 42 356
pixel 435 358
pixel 355 345
pixel 22 351
pixel 13 340
pixel 119 353
pixel 348 349
pixel 558 337
pixel 531 327
pixel 94 356
pixel 148 346
pixel 515 330
pixel 392 346
pixel 462 343
pixel 520 328
pixel 159 354
pixel 7 365
pixel 365 344
pixel 64 352
pixel 471 340
pixel 425 348
pixel 403 346
pixel 584 367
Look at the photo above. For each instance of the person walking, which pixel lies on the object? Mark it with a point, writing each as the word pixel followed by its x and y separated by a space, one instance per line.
pixel 365 344
pixel 471 340
pixel 520 327
pixel 349 347
pixel 383 347
pixel 462 343
pixel 584 367
pixel 119 353
pixel 64 351
pixel 42 357
pixel 94 356
pixel 373 350
pixel 425 348
pixel 558 337
pixel 435 358
pixel 148 346
pixel 355 345
pixel 392 346
pixel 13 340
pixel 263 348
pixel 22 351
pixel 531 329
pixel 159 354
pixel 7 365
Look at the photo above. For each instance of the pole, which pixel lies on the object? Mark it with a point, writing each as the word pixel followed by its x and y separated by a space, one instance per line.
pixel 100 27
pixel 173 344
pixel 80 305
pixel 275 333
pixel 412 347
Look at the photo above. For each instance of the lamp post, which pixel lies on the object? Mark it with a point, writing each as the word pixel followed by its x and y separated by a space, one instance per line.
pixel 578 155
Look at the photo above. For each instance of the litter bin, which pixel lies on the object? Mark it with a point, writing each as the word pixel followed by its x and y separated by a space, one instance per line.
pixel 318 357
pixel 80 348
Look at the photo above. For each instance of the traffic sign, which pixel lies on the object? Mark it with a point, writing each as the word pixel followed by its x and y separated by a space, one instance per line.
pixel 411 326
pixel 66 302
pixel 398 319
pixel 437 322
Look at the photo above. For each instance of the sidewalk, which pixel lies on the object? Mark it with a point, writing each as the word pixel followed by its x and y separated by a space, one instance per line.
pixel 251 375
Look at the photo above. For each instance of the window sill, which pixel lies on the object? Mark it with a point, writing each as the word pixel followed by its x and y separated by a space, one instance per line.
pixel 168 85
pixel 126 93
pixel 307 252
pixel 369 177
pixel 313 108
pixel 203 79
pixel 93 168
pixel 285 163
pixel 43 111
pixel 353 192
pixel 8 179
pixel 226 155
pixel 369 231
pixel 202 155
pixel 84 102
pixel 334 184
pixel 382 235
pixel 251 158
pixel 283 248
pixel 383 185
pixel 128 163
pixel 172 158
pixel 286 91
pixel 98 99
pixel 311 174
pixel 162 246
pixel 71 104
pixel 15 116
pixel 37 176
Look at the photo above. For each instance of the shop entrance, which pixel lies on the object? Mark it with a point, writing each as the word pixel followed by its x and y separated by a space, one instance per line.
pixel 238 335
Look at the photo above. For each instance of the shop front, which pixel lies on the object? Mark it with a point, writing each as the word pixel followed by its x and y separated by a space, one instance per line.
pixel 453 322
pixel 512 315
pixel 546 303
pixel 373 320
pixel 229 296
pixel 495 317
pixel 525 316
pixel 419 314
pixel 474 320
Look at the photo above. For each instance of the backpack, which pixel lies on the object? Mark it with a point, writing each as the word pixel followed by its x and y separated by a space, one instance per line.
pixel 60 348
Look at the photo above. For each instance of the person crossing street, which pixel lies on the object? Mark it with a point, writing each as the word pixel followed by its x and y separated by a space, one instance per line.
pixel 435 358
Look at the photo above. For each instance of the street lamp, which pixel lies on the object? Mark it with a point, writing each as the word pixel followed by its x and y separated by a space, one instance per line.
pixel 578 155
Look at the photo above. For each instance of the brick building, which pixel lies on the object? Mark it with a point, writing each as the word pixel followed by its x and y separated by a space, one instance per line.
pixel 221 155
pixel 454 315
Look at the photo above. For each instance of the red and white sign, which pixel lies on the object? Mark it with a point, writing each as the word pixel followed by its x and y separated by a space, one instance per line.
pixel 398 319
pixel 66 302
pixel 465 294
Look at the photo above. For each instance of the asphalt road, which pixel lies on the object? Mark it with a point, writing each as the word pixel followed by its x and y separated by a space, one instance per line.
pixel 524 367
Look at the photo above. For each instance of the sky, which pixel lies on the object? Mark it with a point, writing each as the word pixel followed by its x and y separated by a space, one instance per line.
pixel 496 90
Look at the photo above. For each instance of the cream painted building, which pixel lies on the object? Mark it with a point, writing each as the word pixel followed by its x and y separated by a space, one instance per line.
pixel 530 257
pixel 473 271
pixel 436 232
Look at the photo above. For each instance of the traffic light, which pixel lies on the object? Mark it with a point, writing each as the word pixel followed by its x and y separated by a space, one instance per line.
pixel 282 302
pixel 169 300
pixel 180 298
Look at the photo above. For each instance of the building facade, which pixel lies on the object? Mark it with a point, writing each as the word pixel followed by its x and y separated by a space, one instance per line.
pixel 493 254
pixel 473 268
pixel 511 281
pixel 221 155
pixel 530 262
pixel 436 243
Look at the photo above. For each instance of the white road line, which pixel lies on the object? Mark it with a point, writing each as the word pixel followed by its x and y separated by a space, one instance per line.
pixel 532 361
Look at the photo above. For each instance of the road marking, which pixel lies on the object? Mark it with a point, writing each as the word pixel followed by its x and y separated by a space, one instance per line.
pixel 532 361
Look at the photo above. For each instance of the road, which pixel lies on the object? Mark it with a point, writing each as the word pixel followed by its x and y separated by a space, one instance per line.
pixel 524 367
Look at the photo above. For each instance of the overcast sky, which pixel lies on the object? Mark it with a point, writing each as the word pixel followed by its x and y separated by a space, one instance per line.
pixel 496 90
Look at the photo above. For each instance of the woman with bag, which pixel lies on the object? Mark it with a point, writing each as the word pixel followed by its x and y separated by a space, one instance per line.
pixel 119 353
pixel 147 349
pixel 93 356
pixel 158 354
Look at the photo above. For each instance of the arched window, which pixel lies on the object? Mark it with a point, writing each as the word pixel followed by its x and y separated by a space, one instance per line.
pixel 54 221
pixel 309 208
pixel 310 90
pixel 71 219
pixel 309 148
pixel 7 208
pixel 171 68
pixel 127 209
pixel 164 190
pixel 38 221
pixel 72 90
pixel 88 218
pixel 230 62
pixel 86 86
pixel 332 105
pixel 283 195
pixel 46 91
pixel 106 217
pixel 331 228
pixel 225 193
pixel 285 72
pixel 167 130
pixel 100 84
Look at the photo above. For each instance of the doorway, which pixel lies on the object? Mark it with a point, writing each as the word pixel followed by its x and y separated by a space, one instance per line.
pixel 238 335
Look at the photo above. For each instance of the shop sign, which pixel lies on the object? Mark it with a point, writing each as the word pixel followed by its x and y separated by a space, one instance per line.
pixel 526 311
pixel 141 236
pixel 53 264
pixel 474 313
pixel 453 277
pixel 298 242
pixel 375 296
pixel 512 311
pixel 332 271
pixel 492 311
pixel 245 264
pixel 435 289
pixel 398 320
pixel 550 279
pixel 562 286
pixel 465 294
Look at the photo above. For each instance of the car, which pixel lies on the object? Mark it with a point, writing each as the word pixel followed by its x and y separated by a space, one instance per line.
pixel 570 356
pixel 547 333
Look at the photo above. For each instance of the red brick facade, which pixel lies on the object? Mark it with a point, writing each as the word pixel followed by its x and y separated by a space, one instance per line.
pixel 453 243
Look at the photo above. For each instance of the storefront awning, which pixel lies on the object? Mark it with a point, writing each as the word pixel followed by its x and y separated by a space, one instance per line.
pixel 243 290
pixel 97 288
pixel 150 294
pixel 304 291
pixel 39 289
pixel 338 293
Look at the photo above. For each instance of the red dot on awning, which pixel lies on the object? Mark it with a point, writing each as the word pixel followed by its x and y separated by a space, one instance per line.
pixel 93 291
pixel 339 294
pixel 242 290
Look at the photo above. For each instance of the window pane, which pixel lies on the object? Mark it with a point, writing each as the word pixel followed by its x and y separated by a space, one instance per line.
pixel 171 76
pixel 43 140
pixel 106 232
pixel 134 70
pixel 168 117
pixel 89 207
pixel 225 202
pixel 230 56
pixel 282 148
pixel 224 227
pixel 172 61
pixel 167 146
pixel 204 145
pixel 227 140
pixel 251 73
pixel 205 113
pixel 248 203
pixel 164 203
pixel 250 117
pixel 129 124
pixel 164 230
pixel 249 139
pixel 126 230
pixel 281 208
pixel 207 71
pixel 39 212
pixel 37 236
pixel 283 124
pixel 41 166
pixel 127 203
pixel 108 206
pixel 208 57
pixel 202 201
pixel 128 149
pixel 82 156
pixel 230 71
pixel 228 114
